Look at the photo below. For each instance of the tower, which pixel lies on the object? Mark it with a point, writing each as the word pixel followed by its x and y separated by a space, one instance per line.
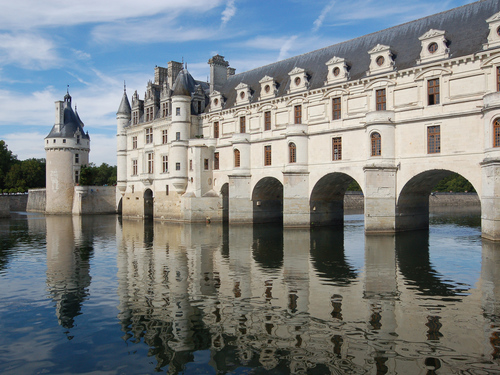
pixel 67 148
pixel 123 117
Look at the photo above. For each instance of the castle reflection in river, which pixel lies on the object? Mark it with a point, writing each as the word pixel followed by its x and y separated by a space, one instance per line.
pixel 281 299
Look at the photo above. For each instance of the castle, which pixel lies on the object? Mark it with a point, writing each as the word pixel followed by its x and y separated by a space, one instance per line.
pixel 396 111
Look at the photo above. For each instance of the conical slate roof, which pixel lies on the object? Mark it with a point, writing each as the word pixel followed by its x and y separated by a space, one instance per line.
pixel 184 84
pixel 71 123
pixel 124 105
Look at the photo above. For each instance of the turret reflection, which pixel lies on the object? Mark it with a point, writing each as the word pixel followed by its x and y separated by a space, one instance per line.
pixel 490 274
pixel 68 270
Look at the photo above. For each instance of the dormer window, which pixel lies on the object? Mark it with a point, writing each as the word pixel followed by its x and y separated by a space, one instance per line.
pixel 216 101
pixel 433 46
pixel 268 87
pixel 243 94
pixel 298 80
pixel 381 60
pixel 337 70
pixel 78 139
pixel 494 35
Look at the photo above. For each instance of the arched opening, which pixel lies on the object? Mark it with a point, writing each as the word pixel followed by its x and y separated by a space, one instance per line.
pixel 267 200
pixel 412 209
pixel 148 204
pixel 224 191
pixel 119 208
pixel 327 199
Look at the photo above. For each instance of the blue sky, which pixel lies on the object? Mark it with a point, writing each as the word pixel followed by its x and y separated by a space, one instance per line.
pixel 95 45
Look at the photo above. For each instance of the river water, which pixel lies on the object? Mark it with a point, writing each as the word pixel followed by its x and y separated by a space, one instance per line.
pixel 101 295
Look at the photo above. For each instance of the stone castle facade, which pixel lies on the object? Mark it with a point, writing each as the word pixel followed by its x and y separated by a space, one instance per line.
pixel 396 111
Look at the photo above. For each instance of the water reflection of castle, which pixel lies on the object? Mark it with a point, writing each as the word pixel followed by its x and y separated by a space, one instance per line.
pixel 288 300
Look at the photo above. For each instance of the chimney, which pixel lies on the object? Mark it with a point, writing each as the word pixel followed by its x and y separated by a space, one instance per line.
pixel 161 75
pixel 218 72
pixel 59 120
pixel 174 68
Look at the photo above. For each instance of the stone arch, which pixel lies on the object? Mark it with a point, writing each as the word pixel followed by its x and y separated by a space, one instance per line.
pixel 327 199
pixel 148 204
pixel 267 197
pixel 224 192
pixel 412 208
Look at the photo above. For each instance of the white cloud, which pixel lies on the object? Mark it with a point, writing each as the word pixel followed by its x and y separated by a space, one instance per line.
pixel 319 21
pixel 229 12
pixel 28 51
pixel 286 47
pixel 23 14
pixel 26 145
pixel 162 29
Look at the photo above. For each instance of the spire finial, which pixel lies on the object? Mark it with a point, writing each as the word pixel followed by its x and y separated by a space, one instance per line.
pixel 124 87
pixel 67 89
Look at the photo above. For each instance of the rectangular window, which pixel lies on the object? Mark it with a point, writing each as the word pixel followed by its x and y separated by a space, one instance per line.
pixel 205 164
pixel 64 141
pixel 149 135
pixel 150 162
pixel 216 129
pixel 166 189
pixel 498 78
pixel 134 142
pixel 134 167
pixel 135 118
pixel 433 91
pixel 433 139
pixel 149 114
pixel 190 164
pixel 267 155
pixel 164 138
pixel 297 114
pixel 242 125
pixel 337 148
pixel 267 120
pixel 77 177
pixel 380 100
pixel 177 166
pixel 178 111
pixel 77 158
pixel 178 136
pixel 337 109
pixel 164 109
pixel 216 160
pixel 165 163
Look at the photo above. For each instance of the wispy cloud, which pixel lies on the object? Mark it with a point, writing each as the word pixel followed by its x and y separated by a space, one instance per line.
pixel 286 47
pixel 36 13
pixel 319 21
pixel 28 50
pixel 229 12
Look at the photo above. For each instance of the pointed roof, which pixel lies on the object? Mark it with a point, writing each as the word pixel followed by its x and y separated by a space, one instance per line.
pixel 124 108
pixel 184 84
pixel 71 123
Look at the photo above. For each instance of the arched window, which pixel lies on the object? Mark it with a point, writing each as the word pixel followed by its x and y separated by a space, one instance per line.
pixel 496 133
pixel 236 158
pixel 376 144
pixel 292 152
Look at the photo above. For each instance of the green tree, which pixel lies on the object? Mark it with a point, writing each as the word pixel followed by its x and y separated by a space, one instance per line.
pixel 7 160
pixel 102 175
pixel 29 173
pixel 454 183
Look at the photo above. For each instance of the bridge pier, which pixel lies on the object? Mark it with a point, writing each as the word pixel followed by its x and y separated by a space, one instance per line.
pixel 240 203
pixel 490 199
pixel 296 199
pixel 380 199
